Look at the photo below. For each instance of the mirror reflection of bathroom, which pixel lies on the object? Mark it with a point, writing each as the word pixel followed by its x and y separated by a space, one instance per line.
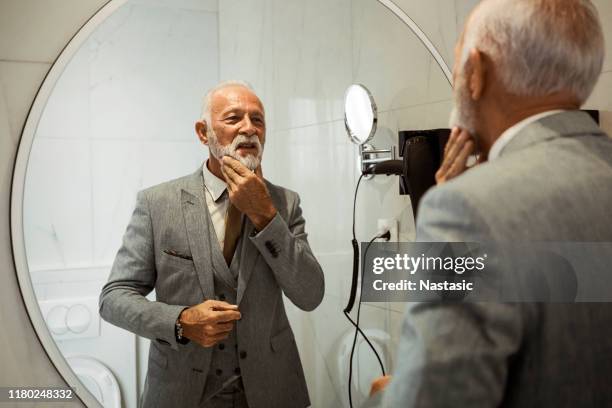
pixel 121 117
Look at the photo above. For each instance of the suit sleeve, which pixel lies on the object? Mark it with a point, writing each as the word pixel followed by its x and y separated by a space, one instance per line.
pixel 285 248
pixel 133 275
pixel 454 353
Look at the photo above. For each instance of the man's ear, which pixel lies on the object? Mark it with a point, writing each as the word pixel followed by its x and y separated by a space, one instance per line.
pixel 478 74
pixel 200 127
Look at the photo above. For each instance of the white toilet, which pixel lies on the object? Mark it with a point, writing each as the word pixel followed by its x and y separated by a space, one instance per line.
pixel 98 379
pixel 365 364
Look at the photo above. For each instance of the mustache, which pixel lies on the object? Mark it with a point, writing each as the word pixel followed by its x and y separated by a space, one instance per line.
pixel 245 141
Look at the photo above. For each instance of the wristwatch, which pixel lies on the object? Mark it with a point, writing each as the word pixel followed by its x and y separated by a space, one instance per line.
pixel 178 333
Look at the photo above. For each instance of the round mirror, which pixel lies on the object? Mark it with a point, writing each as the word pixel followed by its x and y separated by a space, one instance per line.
pixel 116 115
pixel 360 115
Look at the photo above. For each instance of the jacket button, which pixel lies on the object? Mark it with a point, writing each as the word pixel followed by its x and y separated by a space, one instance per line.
pixel 218 371
pixel 221 346
pixel 222 297
pixel 237 370
pixel 243 354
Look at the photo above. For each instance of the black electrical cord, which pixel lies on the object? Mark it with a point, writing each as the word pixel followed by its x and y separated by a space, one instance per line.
pixel 355 244
pixel 353 295
pixel 358 330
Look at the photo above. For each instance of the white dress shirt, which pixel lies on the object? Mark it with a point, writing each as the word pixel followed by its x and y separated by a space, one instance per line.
pixel 511 132
pixel 217 201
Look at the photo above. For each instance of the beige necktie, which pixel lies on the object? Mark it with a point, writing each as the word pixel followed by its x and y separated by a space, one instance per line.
pixel 232 232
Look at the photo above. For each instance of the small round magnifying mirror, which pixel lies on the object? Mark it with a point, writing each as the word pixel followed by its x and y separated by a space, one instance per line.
pixel 360 114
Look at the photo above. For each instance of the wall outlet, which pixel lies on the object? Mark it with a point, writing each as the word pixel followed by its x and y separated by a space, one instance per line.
pixel 391 225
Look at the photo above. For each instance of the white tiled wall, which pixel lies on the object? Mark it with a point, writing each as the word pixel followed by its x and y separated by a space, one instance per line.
pixel 441 20
pixel 120 119
pixel 390 60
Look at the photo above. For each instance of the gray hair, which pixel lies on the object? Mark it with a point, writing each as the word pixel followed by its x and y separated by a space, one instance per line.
pixel 539 46
pixel 221 85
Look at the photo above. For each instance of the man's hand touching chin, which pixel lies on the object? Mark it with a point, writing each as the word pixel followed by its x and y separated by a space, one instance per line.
pixel 248 192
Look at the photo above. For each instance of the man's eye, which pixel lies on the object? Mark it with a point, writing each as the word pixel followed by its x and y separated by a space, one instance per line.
pixel 232 119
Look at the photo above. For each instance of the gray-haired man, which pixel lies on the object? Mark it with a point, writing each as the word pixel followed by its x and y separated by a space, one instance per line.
pixel 522 70
pixel 220 247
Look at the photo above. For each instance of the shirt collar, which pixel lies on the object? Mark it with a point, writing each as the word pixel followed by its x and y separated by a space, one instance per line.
pixel 512 131
pixel 213 184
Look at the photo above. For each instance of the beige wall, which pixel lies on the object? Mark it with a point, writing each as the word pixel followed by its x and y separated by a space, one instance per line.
pixel 602 96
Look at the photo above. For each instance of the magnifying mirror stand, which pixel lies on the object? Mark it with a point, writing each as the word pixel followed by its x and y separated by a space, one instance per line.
pixel 369 157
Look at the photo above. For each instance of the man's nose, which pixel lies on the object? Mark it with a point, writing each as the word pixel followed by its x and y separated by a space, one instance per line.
pixel 247 127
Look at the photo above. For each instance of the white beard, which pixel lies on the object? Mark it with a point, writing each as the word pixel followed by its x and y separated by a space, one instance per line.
pixel 463 114
pixel 249 161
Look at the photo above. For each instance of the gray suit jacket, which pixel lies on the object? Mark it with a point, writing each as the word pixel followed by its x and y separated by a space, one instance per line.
pixel 552 182
pixel 277 260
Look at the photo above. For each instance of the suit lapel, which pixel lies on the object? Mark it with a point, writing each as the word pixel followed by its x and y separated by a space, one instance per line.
pixel 205 250
pixel 198 226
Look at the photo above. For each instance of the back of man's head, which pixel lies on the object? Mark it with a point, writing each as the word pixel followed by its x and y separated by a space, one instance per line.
pixel 539 47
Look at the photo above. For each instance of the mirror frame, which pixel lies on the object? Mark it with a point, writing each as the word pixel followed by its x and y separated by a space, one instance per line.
pixel 349 131
pixel 17 190
pixel 20 169
pixel 414 27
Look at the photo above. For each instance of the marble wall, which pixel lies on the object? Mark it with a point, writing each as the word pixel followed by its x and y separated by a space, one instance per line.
pixel 119 119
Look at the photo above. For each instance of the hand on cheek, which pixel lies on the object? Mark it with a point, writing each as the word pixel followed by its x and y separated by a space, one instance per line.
pixel 458 149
